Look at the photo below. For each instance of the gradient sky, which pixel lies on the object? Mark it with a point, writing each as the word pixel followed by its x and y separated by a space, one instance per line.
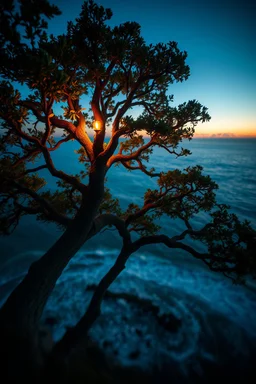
pixel 219 37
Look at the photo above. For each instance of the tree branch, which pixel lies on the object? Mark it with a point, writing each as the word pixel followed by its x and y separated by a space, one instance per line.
pixel 157 204
pixel 110 96
pixel 124 108
pixel 78 132
pixel 58 144
pixel 35 107
pixel 75 337
pixel 30 170
pixel 207 258
pixel 156 239
pixel 140 167
pixel 108 73
pixel 60 174
pixel 192 232
pixel 118 104
pixel 149 108
pixel 59 218
pixel 133 156
pixel 108 219
pixel 22 159
pixel 47 131
pixel 17 129
pixel 172 152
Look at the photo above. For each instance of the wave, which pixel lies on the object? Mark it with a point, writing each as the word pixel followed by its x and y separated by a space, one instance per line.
pixel 193 316
pixel 208 309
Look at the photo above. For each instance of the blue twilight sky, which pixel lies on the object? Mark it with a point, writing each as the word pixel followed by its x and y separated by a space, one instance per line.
pixel 219 37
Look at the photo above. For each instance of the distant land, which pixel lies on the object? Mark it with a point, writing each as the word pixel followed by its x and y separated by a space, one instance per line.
pixel 222 136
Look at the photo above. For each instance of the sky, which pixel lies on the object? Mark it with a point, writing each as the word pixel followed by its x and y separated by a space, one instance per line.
pixel 219 37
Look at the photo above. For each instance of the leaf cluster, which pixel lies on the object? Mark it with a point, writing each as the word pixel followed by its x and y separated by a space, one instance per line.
pixel 119 71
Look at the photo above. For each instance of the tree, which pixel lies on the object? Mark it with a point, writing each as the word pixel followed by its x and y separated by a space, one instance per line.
pixel 120 71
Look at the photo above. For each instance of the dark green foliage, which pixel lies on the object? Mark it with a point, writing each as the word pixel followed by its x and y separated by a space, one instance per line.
pixel 231 244
pixel 47 83
pixel 116 70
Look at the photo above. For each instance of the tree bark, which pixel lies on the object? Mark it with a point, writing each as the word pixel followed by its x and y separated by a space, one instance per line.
pixel 20 315
pixel 74 340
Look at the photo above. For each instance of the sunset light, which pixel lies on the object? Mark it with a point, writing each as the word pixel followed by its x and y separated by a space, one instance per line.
pixel 218 37
pixel 127 191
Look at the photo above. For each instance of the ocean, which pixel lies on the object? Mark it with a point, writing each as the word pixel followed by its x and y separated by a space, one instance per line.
pixel 213 320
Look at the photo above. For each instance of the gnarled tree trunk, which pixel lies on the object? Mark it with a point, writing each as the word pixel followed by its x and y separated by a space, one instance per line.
pixel 20 315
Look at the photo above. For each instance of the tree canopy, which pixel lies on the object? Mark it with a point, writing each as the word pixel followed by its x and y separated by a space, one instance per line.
pixel 117 70
pixel 46 82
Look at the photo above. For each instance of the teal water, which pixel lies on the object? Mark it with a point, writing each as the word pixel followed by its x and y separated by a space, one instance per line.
pixel 230 162
pixel 218 318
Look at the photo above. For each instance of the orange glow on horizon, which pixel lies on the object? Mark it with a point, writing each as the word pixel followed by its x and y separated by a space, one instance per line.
pixel 224 135
pixel 222 128
pixel 218 133
pixel 226 129
pixel 211 132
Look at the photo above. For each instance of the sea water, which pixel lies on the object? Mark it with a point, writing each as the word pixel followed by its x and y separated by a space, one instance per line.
pixel 216 318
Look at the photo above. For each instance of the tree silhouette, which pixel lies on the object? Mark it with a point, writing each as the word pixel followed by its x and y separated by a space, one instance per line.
pixel 116 70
